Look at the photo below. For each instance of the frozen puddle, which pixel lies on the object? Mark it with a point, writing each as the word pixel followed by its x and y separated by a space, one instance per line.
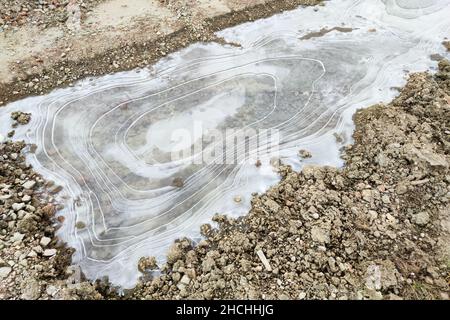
pixel 148 156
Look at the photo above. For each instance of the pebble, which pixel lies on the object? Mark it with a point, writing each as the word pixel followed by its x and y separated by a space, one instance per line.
pixel 185 279
pixel 304 154
pixel 51 290
pixel 45 241
pixel 29 184
pixel 320 235
pixel 4 272
pixel 17 237
pixel 31 290
pixel 385 199
pixel 49 252
pixel 421 219
pixel 18 206
pixel 38 249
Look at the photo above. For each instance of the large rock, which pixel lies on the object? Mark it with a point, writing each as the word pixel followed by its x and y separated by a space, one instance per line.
pixel 425 156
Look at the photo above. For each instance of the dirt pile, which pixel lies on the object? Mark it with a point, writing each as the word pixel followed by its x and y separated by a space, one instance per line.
pixel 376 229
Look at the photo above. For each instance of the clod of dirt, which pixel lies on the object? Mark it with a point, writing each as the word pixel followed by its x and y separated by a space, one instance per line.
pixel 20 118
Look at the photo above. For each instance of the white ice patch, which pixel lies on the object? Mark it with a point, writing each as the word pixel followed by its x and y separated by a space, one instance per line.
pixel 110 141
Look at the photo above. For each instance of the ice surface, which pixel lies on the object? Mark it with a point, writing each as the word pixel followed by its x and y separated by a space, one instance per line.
pixel 110 141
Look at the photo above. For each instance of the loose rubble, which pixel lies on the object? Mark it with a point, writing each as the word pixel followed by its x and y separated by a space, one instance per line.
pixel 42 13
pixel 32 259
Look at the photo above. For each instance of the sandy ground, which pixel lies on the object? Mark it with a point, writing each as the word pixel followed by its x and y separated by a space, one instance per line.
pixel 99 37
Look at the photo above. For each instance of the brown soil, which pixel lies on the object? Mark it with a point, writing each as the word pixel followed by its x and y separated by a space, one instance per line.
pixel 125 55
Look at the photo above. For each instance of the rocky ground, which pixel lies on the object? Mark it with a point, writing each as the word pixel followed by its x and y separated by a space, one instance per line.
pixel 33 263
pixel 378 228
pixel 50 44
pixel 43 13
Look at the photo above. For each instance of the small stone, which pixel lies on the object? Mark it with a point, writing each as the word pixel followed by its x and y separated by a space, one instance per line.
pixel 444 296
pixel 304 154
pixel 29 184
pixel 32 254
pixel 208 264
pixel 49 210
pixel 185 279
pixel 178 182
pixel 367 195
pixel 320 235
pixel 80 225
pixel 174 253
pixel 49 252
pixel 421 219
pixel 272 205
pixel 147 263
pixel 17 237
pixel 31 290
pixel 45 241
pixel 38 249
pixel 4 272
pixel 401 188
pixel 18 206
pixel 51 290
pixel 237 199
pixel 176 277
pixel 385 199
pixel 26 198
